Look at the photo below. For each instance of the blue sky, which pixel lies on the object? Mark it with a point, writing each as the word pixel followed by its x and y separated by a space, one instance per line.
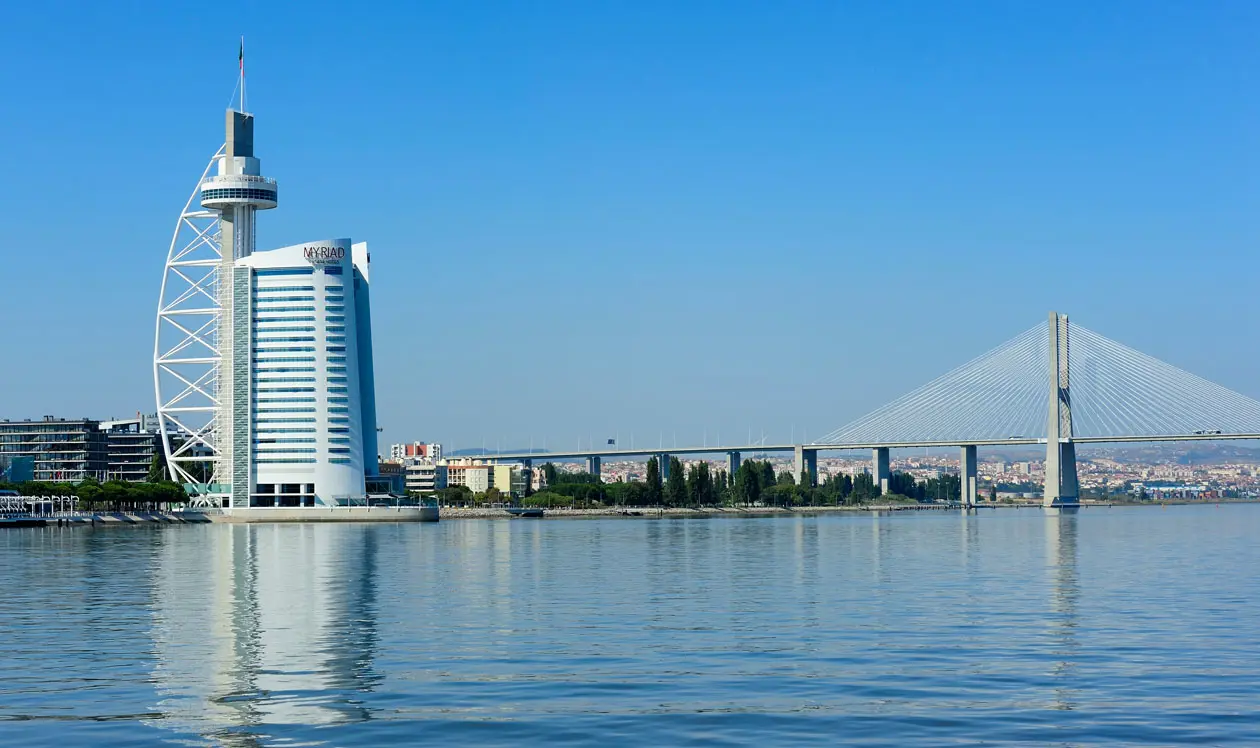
pixel 651 218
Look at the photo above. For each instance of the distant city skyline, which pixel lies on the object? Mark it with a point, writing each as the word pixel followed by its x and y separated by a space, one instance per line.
pixel 653 221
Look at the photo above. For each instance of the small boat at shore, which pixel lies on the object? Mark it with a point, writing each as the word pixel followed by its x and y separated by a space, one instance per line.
pixel 525 511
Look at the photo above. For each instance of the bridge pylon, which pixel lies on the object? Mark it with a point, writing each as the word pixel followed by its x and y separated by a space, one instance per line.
pixel 1062 488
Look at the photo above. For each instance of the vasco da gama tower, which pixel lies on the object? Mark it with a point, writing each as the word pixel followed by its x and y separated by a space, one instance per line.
pixel 262 360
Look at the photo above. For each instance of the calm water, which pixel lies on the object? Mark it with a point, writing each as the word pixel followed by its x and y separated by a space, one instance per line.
pixel 1115 626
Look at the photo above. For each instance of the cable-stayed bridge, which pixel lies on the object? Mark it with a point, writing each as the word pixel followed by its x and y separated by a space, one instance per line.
pixel 1057 384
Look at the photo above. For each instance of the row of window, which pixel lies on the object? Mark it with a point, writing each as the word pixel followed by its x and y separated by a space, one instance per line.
pixel 284 271
pixel 261 440
pixel 270 399
pixel 283 420
pixel 276 289
pixel 285 431
pixel 293 461
pixel 285 360
pixel 248 193
pixel 334 299
pixel 275 380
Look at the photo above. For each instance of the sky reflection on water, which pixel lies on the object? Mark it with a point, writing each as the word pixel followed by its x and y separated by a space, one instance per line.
pixel 1111 626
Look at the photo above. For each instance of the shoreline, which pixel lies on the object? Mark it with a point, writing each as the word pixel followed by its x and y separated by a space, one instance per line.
pixel 458 513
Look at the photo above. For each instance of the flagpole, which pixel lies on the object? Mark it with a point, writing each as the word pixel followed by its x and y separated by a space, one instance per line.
pixel 242 61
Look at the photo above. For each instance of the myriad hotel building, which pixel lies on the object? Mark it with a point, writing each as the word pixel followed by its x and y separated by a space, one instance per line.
pixel 266 396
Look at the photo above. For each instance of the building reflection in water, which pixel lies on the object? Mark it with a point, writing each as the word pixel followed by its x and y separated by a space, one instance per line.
pixel 265 624
pixel 1065 591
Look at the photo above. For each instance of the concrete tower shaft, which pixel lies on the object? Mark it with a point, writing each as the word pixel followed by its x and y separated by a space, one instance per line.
pixel 236 193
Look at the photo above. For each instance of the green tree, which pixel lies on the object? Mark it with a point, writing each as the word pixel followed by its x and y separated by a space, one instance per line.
pixel 676 483
pixel 993 493
pixel 655 491
pixel 767 477
pixel 157 467
pixel 706 496
pixel 549 474
pixel 747 489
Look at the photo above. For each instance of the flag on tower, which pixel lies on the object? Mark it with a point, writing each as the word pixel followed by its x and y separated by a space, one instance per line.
pixel 240 57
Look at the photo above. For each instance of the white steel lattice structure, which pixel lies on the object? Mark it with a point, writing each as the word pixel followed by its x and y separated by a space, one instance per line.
pixel 186 354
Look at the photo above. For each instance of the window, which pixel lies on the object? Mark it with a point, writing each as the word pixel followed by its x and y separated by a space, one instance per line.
pixel 286 450
pixel 276 380
pixel 284 410
pixel 336 329
pixel 334 299
pixel 336 338
pixel 293 461
pixel 284 389
pixel 340 460
pixel 274 289
pixel 334 309
pixel 286 349
pixel 336 349
pixel 338 419
pixel 267 306
pixel 336 359
pixel 339 450
pixel 334 318
pixel 339 400
pixel 336 380
pixel 338 389
pixel 291 369
pixel 285 431
pixel 336 370
pixel 306 339
pixel 332 270
pixel 338 409
pixel 339 440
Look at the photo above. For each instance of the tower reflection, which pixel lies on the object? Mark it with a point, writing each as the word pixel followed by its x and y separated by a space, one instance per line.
pixel 1065 590
pixel 265 624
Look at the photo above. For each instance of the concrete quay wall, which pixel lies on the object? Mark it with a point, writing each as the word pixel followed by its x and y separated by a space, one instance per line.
pixel 328 514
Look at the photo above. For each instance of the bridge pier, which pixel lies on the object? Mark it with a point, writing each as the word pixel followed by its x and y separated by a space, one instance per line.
pixel 662 462
pixel 732 464
pixel 593 465
pixel 880 468
pixel 1062 488
pixel 806 460
pixel 969 475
